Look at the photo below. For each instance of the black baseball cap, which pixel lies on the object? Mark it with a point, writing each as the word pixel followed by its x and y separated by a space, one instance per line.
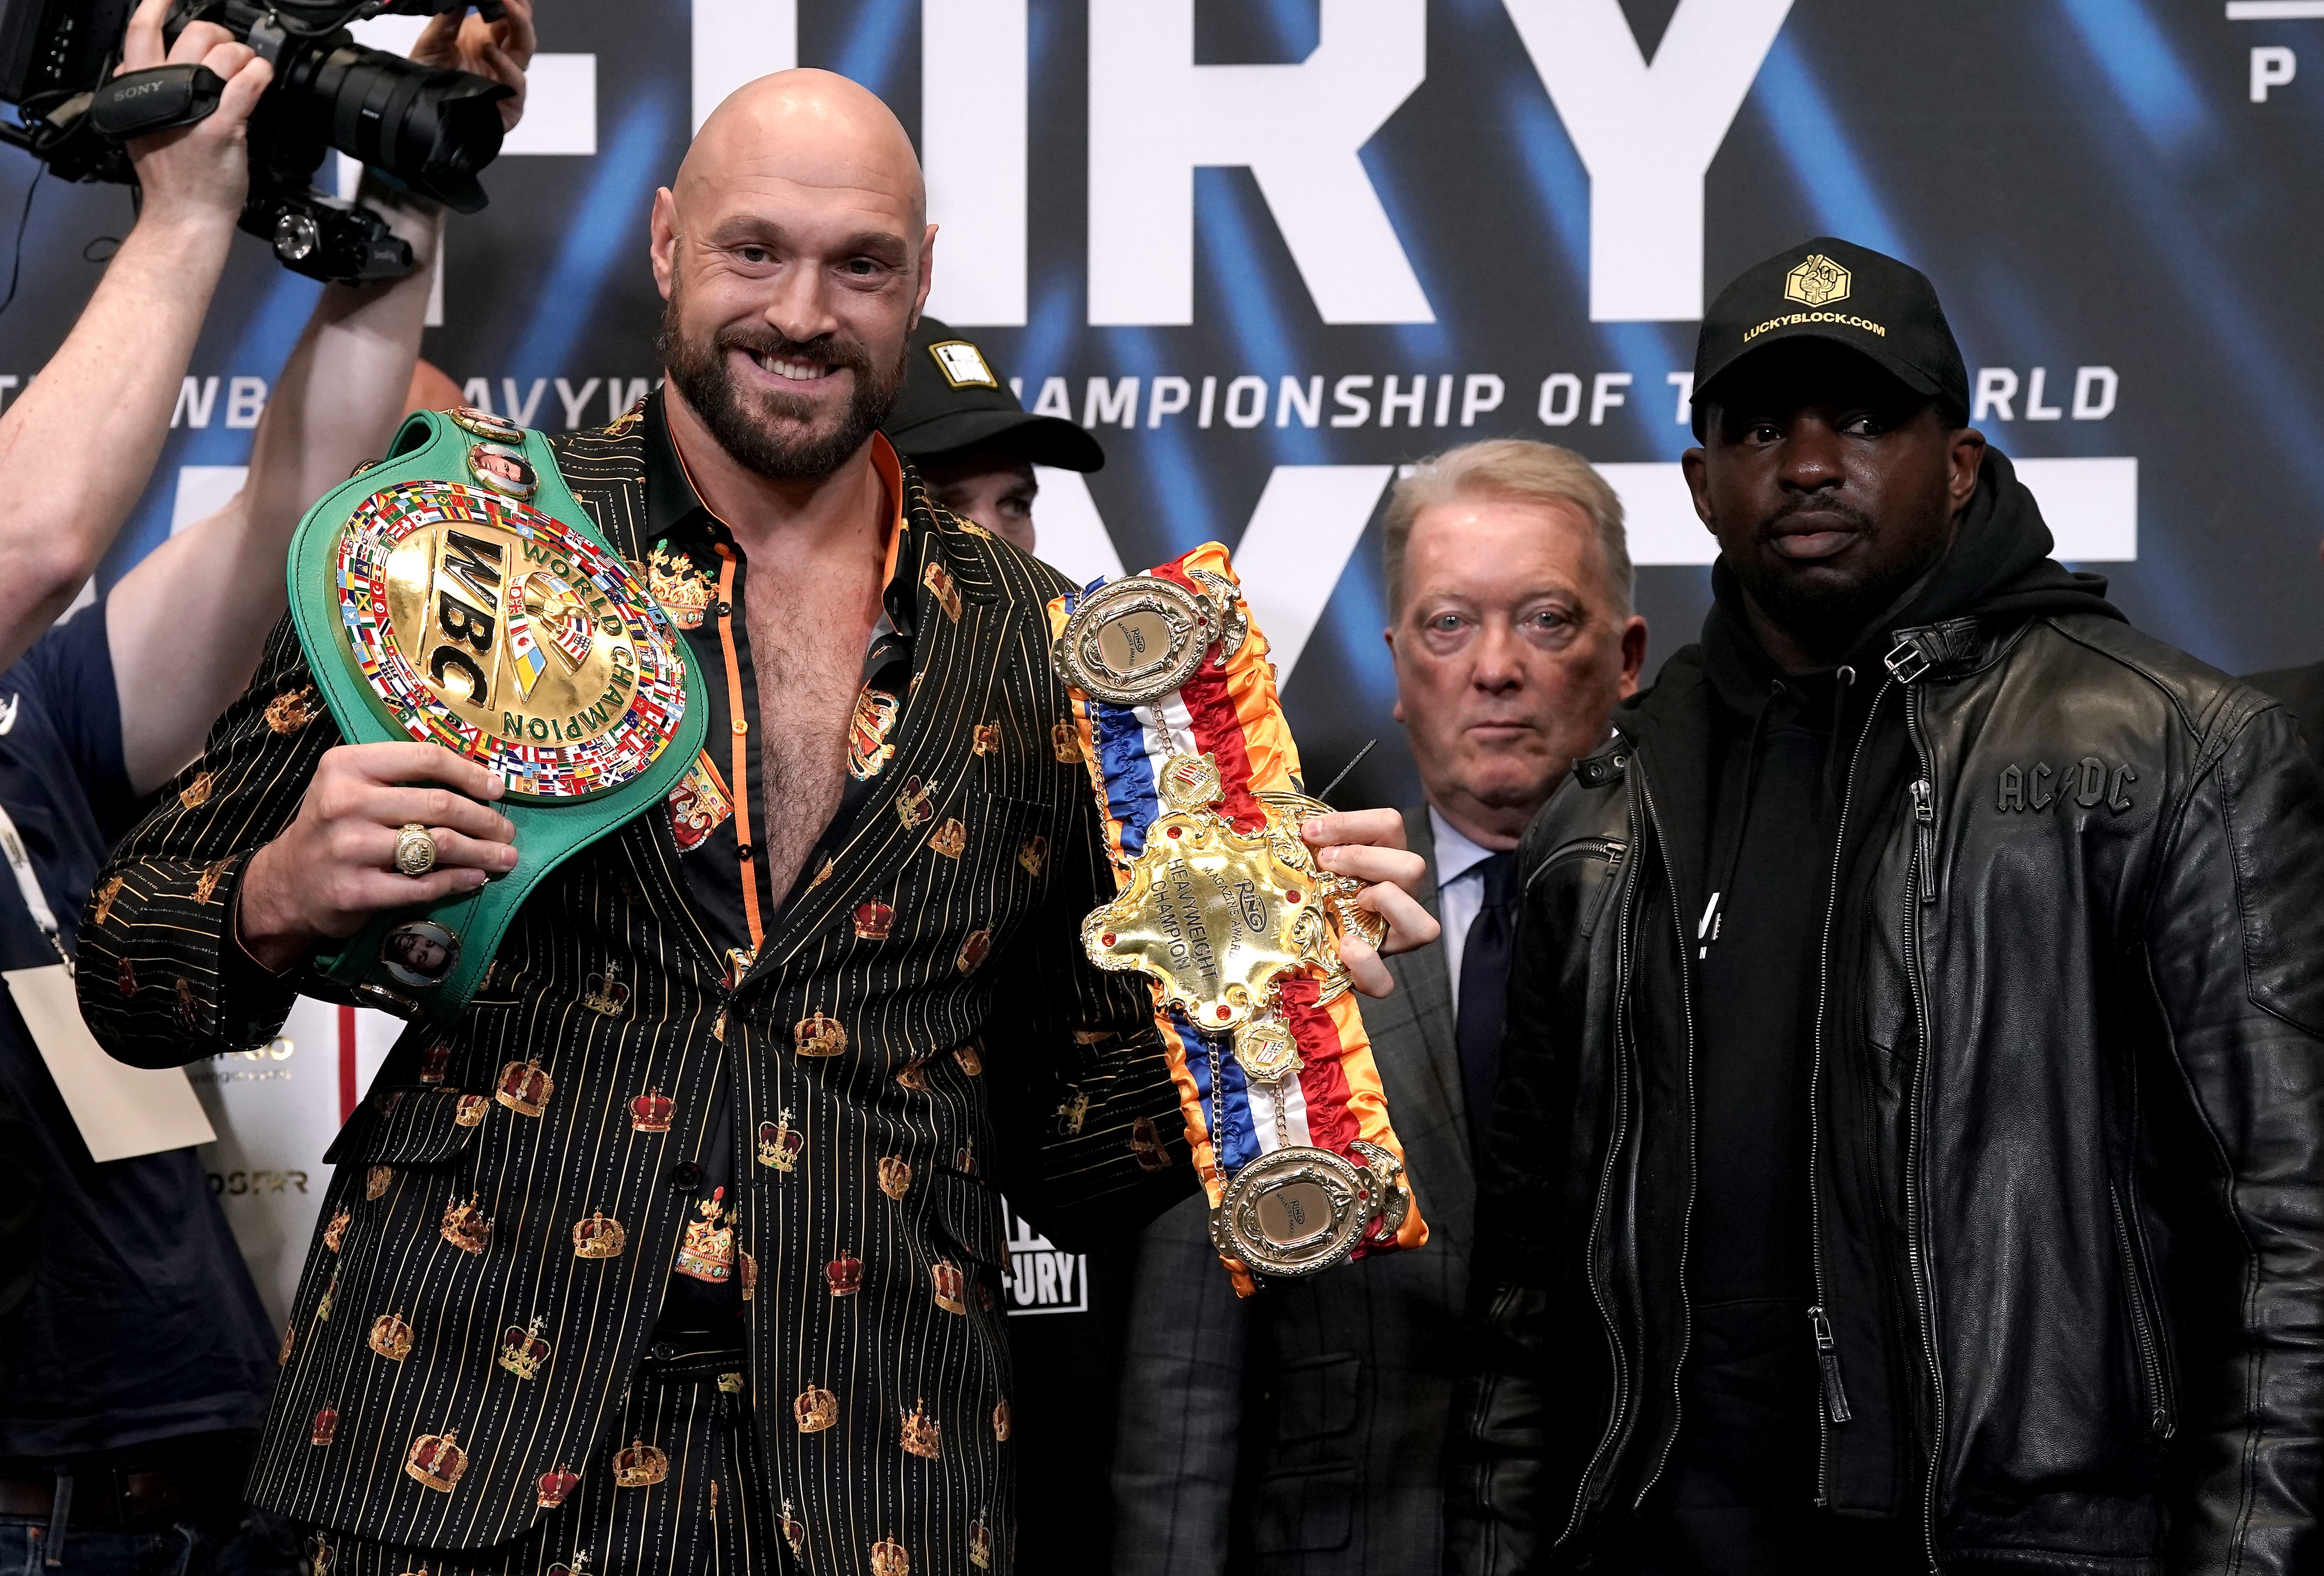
pixel 954 398
pixel 1834 290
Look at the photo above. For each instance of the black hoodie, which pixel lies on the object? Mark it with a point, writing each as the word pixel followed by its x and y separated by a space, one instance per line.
pixel 1761 767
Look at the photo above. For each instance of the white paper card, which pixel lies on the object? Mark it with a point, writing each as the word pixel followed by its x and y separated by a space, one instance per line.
pixel 121 1111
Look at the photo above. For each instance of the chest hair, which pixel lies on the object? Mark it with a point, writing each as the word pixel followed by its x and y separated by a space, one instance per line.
pixel 808 650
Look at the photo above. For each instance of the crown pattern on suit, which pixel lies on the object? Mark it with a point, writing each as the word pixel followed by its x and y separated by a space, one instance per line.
pixel 335 1233
pixel 916 802
pixel 435 1062
pixel 375 1180
pixel 867 748
pixel 556 1486
pixel 1000 1425
pixel 975 951
pixel 323 1304
pixel 873 919
pixel 525 1088
pixel 436 1460
pixel 390 1337
pixel 845 1275
pixel 639 1465
pixel 471 1110
pixel 980 1544
pixel 748 1267
pixel 948 1285
pixel 895 1175
pixel 1033 853
pixel 523 1351
pixel 684 591
pixel 326 1427
pixel 577 1565
pixel 817 1035
pixel 466 1226
pixel 1065 742
pixel 650 1113
pixel 781 1144
pixel 923 1435
pixel 606 995
pixel 707 1253
pixel 971 1060
pixel 951 839
pixel 815 1409
pixel 794 1530
pixel 889 1558
pixel 599 1236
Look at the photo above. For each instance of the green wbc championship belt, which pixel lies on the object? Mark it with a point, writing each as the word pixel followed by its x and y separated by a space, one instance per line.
pixel 456 593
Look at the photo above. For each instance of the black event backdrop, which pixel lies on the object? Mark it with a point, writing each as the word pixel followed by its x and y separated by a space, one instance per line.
pixel 2115 193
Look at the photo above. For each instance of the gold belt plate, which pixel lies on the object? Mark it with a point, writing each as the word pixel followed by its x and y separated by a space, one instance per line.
pixel 1217 915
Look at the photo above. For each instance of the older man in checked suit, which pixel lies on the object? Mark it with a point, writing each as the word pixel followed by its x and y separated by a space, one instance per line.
pixel 1301 1431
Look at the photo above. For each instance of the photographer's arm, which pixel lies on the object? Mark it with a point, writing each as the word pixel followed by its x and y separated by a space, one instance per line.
pixel 78 447
pixel 191 619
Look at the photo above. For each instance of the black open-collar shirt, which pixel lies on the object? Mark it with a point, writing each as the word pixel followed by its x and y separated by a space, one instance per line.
pixel 692 555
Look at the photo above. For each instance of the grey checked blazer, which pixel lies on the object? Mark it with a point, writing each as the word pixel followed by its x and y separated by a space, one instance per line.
pixel 1302 1432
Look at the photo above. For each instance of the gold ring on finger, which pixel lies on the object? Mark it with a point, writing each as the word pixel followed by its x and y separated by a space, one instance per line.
pixel 415 849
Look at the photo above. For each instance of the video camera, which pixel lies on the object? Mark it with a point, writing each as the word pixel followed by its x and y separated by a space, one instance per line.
pixel 428 129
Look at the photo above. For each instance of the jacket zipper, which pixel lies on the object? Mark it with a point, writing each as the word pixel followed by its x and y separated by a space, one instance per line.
pixel 1924 836
pixel 1924 875
pixel 1687 1212
pixel 1620 1408
pixel 1835 1410
pixel 1828 1360
pixel 2143 1325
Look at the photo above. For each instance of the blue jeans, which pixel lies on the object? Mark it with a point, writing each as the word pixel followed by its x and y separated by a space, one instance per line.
pixel 261 1546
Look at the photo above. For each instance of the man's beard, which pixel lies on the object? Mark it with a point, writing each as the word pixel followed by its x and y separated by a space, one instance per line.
pixel 752 426
pixel 1822 615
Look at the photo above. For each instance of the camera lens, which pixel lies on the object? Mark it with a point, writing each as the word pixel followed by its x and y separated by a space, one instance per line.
pixel 432 129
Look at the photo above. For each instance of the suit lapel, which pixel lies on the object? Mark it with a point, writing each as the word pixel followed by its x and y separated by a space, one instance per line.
pixel 1421 980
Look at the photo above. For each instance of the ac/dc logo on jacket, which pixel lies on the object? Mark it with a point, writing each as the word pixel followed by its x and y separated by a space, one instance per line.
pixel 2088 782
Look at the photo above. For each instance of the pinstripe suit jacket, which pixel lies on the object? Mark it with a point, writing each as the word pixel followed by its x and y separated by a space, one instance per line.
pixel 952 1062
pixel 1300 1433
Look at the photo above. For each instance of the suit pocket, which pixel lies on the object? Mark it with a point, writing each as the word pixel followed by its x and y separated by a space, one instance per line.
pixel 1306 1512
pixel 1317 1398
pixel 416 1126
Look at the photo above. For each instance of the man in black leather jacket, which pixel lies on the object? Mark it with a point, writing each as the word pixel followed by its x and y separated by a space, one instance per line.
pixel 1911 1144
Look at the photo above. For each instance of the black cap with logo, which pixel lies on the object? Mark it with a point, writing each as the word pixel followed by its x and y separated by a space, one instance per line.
pixel 1834 290
pixel 955 399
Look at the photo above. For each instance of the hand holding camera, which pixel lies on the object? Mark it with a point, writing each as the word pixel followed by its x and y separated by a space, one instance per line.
pixel 498 49
pixel 200 171
pixel 427 124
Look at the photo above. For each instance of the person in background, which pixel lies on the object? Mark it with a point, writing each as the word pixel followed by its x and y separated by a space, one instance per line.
pixel 2301 691
pixel 1303 1429
pixel 972 439
pixel 1906 1154
pixel 137 1357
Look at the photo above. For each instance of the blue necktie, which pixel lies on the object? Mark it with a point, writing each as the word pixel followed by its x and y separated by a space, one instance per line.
pixel 1484 995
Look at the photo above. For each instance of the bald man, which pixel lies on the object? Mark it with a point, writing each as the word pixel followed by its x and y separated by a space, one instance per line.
pixel 682 1247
